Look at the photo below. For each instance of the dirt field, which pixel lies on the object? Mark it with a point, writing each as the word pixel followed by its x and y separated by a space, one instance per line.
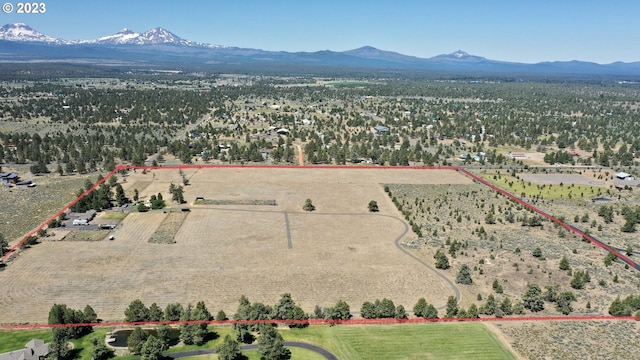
pixel 339 251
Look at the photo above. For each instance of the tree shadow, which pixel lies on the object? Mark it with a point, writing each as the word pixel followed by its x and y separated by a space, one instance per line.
pixel 210 336
pixel 74 353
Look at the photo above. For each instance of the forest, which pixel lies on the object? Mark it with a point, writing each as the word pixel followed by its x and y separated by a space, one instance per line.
pixel 78 125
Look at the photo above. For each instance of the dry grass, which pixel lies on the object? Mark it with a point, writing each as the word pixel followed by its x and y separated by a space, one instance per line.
pixel 457 212
pixel 166 232
pixel 87 235
pixel 22 210
pixel 340 251
pixel 573 339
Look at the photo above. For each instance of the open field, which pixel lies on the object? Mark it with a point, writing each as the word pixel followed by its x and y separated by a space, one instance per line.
pixel 550 186
pixel 408 341
pixel 340 251
pixel 425 341
pixel 15 340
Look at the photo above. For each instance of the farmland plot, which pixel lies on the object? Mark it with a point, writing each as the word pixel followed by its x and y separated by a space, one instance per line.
pixel 339 251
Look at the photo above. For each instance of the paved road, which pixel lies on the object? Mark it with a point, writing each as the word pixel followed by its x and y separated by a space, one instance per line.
pixel 322 351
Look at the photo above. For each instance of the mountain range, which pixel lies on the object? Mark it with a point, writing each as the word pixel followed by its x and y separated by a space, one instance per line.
pixel 19 43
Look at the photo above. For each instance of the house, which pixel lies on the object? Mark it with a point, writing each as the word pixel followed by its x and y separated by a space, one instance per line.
pixel 35 349
pixel 82 218
pixel 9 178
pixel 282 131
pixel 381 128
pixel 517 155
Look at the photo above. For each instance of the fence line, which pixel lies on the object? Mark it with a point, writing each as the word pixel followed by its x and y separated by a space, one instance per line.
pixel 316 322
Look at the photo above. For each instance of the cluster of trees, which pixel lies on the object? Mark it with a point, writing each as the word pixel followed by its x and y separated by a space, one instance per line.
pixel 606 212
pixel 580 278
pixel 195 332
pixel 382 309
pixel 270 346
pixel 561 157
pixel 494 307
pixel 442 261
pixel 148 345
pixel 61 314
pixel 631 217
pixel 417 229
pixel 533 298
pixel 156 201
pixel 100 198
pixel 177 193
pixel 285 309
pixel 85 124
pixel 626 306
pixel 425 310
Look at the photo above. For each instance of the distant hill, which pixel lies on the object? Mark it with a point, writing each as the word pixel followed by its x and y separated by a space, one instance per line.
pixel 19 42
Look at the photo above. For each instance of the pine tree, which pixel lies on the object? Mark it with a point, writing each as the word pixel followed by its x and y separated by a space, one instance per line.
pixel 532 298
pixel 452 307
pixel 442 262
pixel 464 275
pixel 229 349
pixel 271 344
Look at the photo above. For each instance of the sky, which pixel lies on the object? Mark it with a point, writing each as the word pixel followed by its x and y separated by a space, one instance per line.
pixel 526 31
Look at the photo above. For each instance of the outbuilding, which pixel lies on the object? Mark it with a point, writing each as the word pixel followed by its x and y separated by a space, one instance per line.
pixel 381 128
pixel 624 176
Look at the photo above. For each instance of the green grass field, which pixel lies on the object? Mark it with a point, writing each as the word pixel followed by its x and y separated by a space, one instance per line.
pixel 296 354
pixel 409 341
pixel 113 215
pixel 522 188
pixel 15 340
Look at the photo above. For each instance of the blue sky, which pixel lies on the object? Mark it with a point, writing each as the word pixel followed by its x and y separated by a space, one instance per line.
pixel 511 30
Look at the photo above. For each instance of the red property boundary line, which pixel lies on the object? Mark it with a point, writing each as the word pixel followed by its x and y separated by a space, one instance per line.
pixel 322 321
pixel 55 216
pixel 179 167
pixel 387 321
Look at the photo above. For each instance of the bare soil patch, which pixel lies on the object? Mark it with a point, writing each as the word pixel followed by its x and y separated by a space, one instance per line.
pixel 339 251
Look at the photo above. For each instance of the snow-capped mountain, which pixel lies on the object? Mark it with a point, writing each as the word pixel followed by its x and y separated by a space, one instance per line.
pixel 19 42
pixel 23 32
pixel 154 36
pixel 162 36
pixel 459 56
pixel 124 36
